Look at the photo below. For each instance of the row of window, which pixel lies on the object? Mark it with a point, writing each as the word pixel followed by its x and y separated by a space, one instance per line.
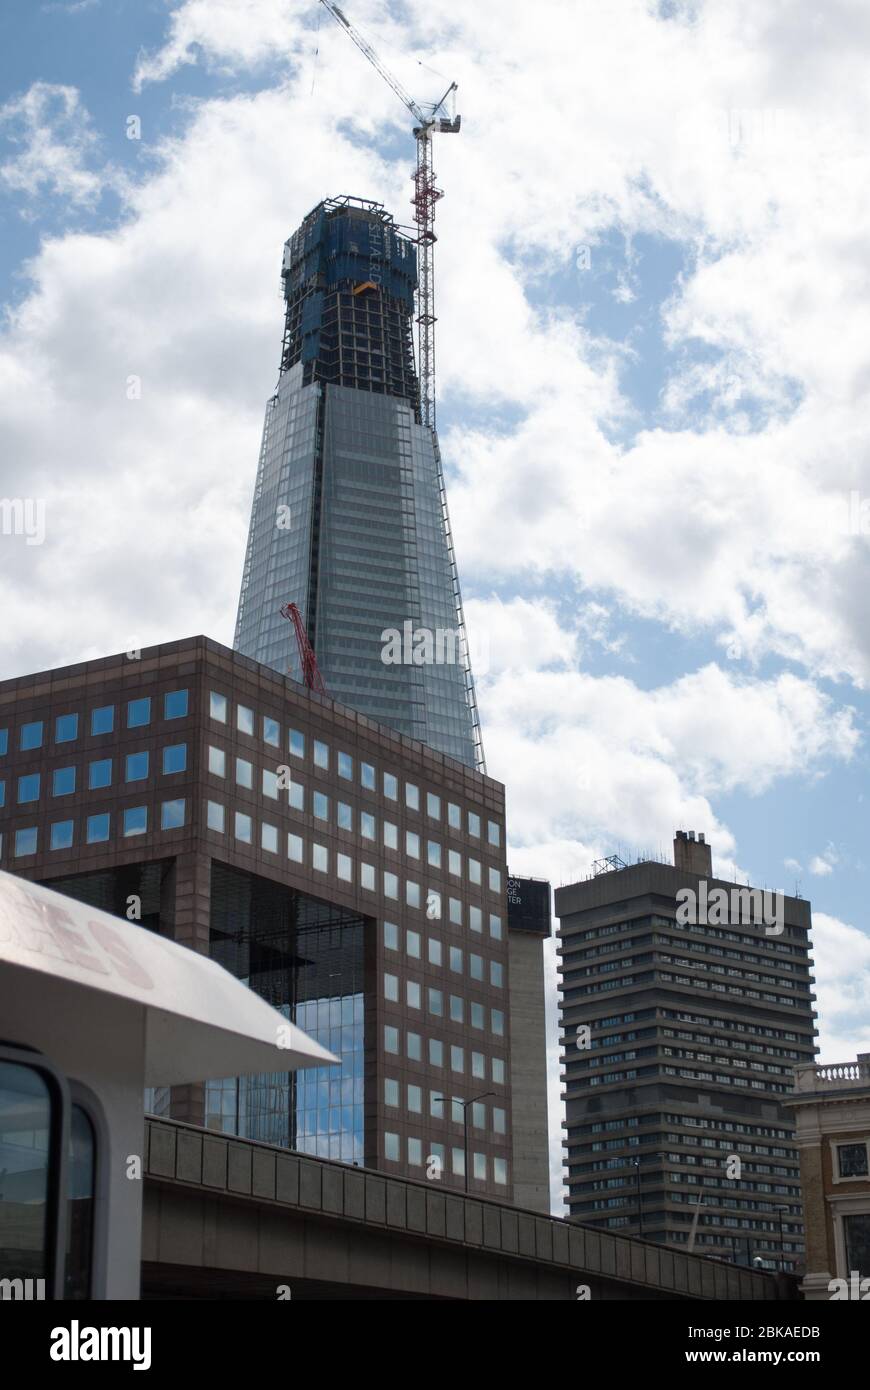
pixel 438 1053
pixel 98 828
pixel 322 755
pixel 456 1004
pixel 454 957
pixel 444 1107
pixel 435 1159
pixel 173 758
pixel 102 721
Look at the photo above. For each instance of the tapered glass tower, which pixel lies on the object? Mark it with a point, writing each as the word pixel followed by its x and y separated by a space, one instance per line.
pixel 349 519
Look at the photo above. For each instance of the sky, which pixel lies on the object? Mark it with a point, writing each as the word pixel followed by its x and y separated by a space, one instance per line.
pixel 653 283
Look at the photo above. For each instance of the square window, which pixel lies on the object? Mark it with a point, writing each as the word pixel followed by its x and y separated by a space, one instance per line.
pixel 478 1066
pixel 139 712
pixel 270 784
pixel 63 781
pixel 415 1152
pixel 499 1170
pixel 367 826
pixel 295 849
pixel 269 838
pixel 321 806
pixel 412 796
pixel 477 1019
pixel 478 1115
pixel 28 787
pixel 495 973
pixel 480 1167
pixel 412 944
pixel 391 1091
pixel 497 1022
pixel 243 828
pixel 474 870
pixel 498 1119
pixel 103 719
pixel 367 776
pixel 475 966
pixel 457 1158
pixel 296 796
pixel 4 742
pixel 436 1059
pixel 321 754
pixel 344 815
pixel 391 885
pixel 414 1047
pixel 217 761
pixel 433 806
pixel 62 834
pixel 415 1100
pixel 245 720
pixel 175 704
pixel 344 867
pixel 454 816
pixel 25 841
pixel 100 774
pixel 412 844
pixel 475 919
pixel 391 835
pixel 435 1001
pixel 412 893
pixel 498 1070
pixel 320 858
pixel 433 854
pixel 136 767
pixel 456 1010
pixel 474 825
pixel 345 765
pixel 391 1147
pixel 391 936
pixel 493 832
pixel 454 863
pixel 455 907
pixel 412 994
pixel 215 816
pixel 271 731
pixel 852 1160
pixel 456 959
pixel 172 814
pixel 135 820
pixel 296 743
pixel 391 786
pixel 244 773
pixel 391 1038
pixel 495 926
pixel 31 736
pixel 66 728
pixel 494 881
pixel 457 1058
pixel 97 829
pixel 217 706
pixel 174 758
pixel 367 876
pixel 391 988
pixel 434 947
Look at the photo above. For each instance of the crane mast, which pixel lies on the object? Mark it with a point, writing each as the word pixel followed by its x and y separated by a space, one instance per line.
pixel 426 195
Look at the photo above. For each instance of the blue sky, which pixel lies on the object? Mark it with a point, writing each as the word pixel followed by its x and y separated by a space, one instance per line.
pixel 649 456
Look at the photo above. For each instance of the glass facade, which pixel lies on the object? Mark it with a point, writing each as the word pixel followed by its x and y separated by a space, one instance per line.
pixel 349 518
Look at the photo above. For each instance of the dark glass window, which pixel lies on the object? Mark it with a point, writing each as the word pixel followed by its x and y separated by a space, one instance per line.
pixel 100 774
pixel 103 719
pixel 857 1233
pixel 138 712
pixel 4 742
pixel 98 829
pixel 174 704
pixel 80 1206
pixel 137 767
pixel 66 727
pixel 31 736
pixel 175 757
pixel 63 781
pixel 25 1148
pixel 852 1160
pixel 62 834
pixel 28 787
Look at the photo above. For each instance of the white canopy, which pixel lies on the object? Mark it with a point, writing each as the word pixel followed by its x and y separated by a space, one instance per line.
pixel 198 1020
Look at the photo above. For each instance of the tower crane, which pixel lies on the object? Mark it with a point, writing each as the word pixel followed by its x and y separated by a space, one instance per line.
pixel 307 660
pixel 425 197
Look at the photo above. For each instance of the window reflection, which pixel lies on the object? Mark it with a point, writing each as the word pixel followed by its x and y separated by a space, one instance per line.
pixel 80 1206
pixel 25 1130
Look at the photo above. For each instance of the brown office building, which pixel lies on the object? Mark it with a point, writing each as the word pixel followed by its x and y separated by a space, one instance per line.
pixel 677 1122
pixel 352 876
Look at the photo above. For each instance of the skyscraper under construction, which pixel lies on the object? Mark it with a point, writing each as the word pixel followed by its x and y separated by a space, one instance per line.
pixel 349 519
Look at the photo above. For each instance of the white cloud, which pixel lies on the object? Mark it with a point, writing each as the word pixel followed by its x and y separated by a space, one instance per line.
pixel 53 140
pixel 825 863
pixel 842 955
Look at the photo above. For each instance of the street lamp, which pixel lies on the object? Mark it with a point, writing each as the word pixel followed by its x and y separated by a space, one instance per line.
pixel 780 1210
pixel 465 1104
pixel 636 1162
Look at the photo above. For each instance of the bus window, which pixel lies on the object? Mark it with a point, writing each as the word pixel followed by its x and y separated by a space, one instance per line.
pixel 80 1205
pixel 26 1197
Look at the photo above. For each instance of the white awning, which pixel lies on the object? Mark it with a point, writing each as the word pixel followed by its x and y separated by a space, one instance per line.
pixel 198 1020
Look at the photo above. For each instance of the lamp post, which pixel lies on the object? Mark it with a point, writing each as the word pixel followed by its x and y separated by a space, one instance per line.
pixel 779 1210
pixel 465 1104
pixel 639 1208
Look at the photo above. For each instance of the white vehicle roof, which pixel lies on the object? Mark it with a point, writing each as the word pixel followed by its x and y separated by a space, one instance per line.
pixel 198 1021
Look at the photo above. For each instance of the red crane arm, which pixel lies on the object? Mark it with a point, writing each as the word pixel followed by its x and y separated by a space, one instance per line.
pixel 310 670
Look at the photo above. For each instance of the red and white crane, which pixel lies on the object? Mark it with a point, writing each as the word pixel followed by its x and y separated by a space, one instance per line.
pixel 425 197
pixel 308 661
